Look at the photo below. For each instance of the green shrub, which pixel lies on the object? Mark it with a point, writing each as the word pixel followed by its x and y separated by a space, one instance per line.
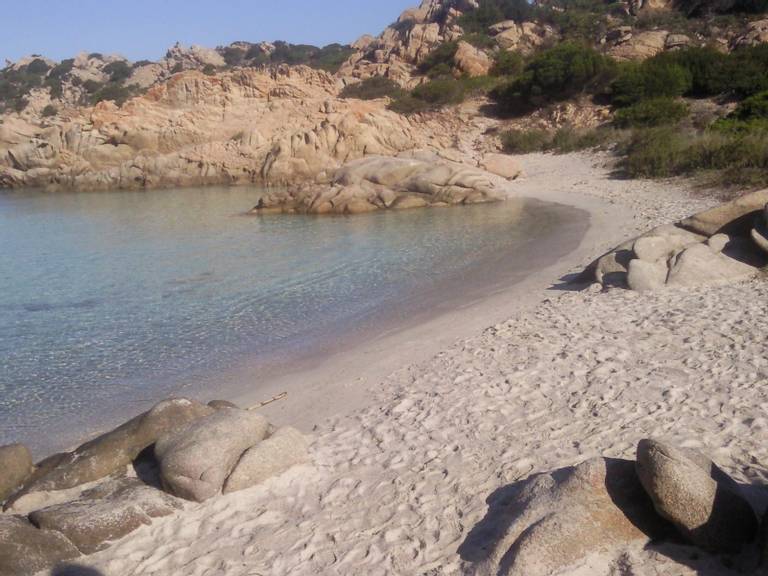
pixel 556 74
pixel 652 112
pixel 372 89
pixel 507 63
pixel 479 40
pixel 37 66
pixel 407 104
pixel 118 71
pixel 490 12
pixel 525 141
pixel 439 62
pixel 117 93
pixel 233 56
pixel 49 111
pixel 440 92
pixel 753 107
pixel 655 152
pixel 654 78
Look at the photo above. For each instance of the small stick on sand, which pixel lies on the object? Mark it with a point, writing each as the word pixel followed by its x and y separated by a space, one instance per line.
pixel 277 398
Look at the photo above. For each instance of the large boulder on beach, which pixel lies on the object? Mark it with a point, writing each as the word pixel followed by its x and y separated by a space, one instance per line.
pixel 502 165
pixel 733 218
pixel 113 451
pixel 195 462
pixel 15 468
pixel 106 513
pixel 760 231
pixel 285 448
pixel 26 550
pixel 644 276
pixel 700 265
pixel 702 501
pixel 552 521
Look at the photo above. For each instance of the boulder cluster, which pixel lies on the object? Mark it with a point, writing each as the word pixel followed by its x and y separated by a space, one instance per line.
pixel 77 502
pixel 550 522
pixel 411 180
pixel 726 244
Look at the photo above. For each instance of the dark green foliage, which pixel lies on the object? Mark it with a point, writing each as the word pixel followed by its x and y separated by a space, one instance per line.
pixel 92 86
pixel 62 68
pixel 439 62
pixel 96 56
pixel 233 56
pixel 735 158
pixel 507 63
pixel 479 40
pixel 117 71
pixel 654 78
pixel 37 66
pixel 117 93
pixel 441 92
pixel 329 58
pixel 556 74
pixel 652 112
pixel 372 88
pixel 754 107
pixel 140 63
pixel 748 70
pixel 178 67
pixel 209 69
pixel 704 7
pixel 490 12
pixel 49 111
pixel 20 103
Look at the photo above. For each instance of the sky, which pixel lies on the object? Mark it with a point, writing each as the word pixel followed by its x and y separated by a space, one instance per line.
pixel 145 29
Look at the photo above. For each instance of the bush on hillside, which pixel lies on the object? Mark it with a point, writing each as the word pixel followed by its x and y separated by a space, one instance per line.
pixel 372 89
pixel 49 111
pixel 525 141
pixel 507 63
pixel 562 141
pixel 650 79
pixel 441 92
pixel 439 62
pixel 37 66
pixel 652 112
pixel 490 12
pixel 556 74
pixel 118 71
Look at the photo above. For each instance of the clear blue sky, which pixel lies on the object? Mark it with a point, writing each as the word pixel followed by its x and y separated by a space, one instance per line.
pixel 144 29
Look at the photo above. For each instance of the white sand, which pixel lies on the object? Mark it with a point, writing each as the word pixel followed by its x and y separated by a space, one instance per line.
pixel 426 428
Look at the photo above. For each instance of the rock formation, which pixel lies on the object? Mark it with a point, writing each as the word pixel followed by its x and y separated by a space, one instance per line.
pixel 717 246
pixel 702 501
pixel 411 180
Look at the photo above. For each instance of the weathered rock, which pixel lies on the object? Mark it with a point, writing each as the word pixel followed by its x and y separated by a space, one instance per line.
pixel 524 37
pixel 663 242
pixel 552 521
pixel 502 165
pixel 644 276
pixel 718 242
pixel 25 550
pixel 699 265
pixel 734 218
pixel 471 61
pixel 106 513
pixel 702 501
pixel 760 232
pixel 377 182
pixel 195 462
pixel 641 46
pixel 285 448
pixel 757 33
pixel 15 468
pixel 113 451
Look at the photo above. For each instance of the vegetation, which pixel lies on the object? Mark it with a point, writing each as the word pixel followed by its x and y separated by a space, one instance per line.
pixel 556 74
pixel 564 140
pixel 439 62
pixel 328 58
pixel 50 110
pixel 372 89
pixel 440 92
pixel 507 63
pixel 490 12
pixel 118 71
pixel 652 112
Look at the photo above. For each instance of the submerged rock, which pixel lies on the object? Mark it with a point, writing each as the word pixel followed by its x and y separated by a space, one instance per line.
pixel 15 468
pixel 106 513
pixel 702 501
pixel 285 448
pixel 552 521
pixel 26 550
pixel 195 461
pixel 113 451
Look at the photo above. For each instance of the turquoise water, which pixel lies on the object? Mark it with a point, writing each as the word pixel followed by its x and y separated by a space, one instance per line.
pixel 115 300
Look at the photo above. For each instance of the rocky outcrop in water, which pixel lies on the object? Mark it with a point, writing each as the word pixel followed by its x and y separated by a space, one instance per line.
pixel 411 180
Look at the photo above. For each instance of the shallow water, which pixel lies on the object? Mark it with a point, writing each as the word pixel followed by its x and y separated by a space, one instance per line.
pixel 110 301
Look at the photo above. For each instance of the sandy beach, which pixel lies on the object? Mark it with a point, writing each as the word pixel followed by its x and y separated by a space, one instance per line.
pixel 412 434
